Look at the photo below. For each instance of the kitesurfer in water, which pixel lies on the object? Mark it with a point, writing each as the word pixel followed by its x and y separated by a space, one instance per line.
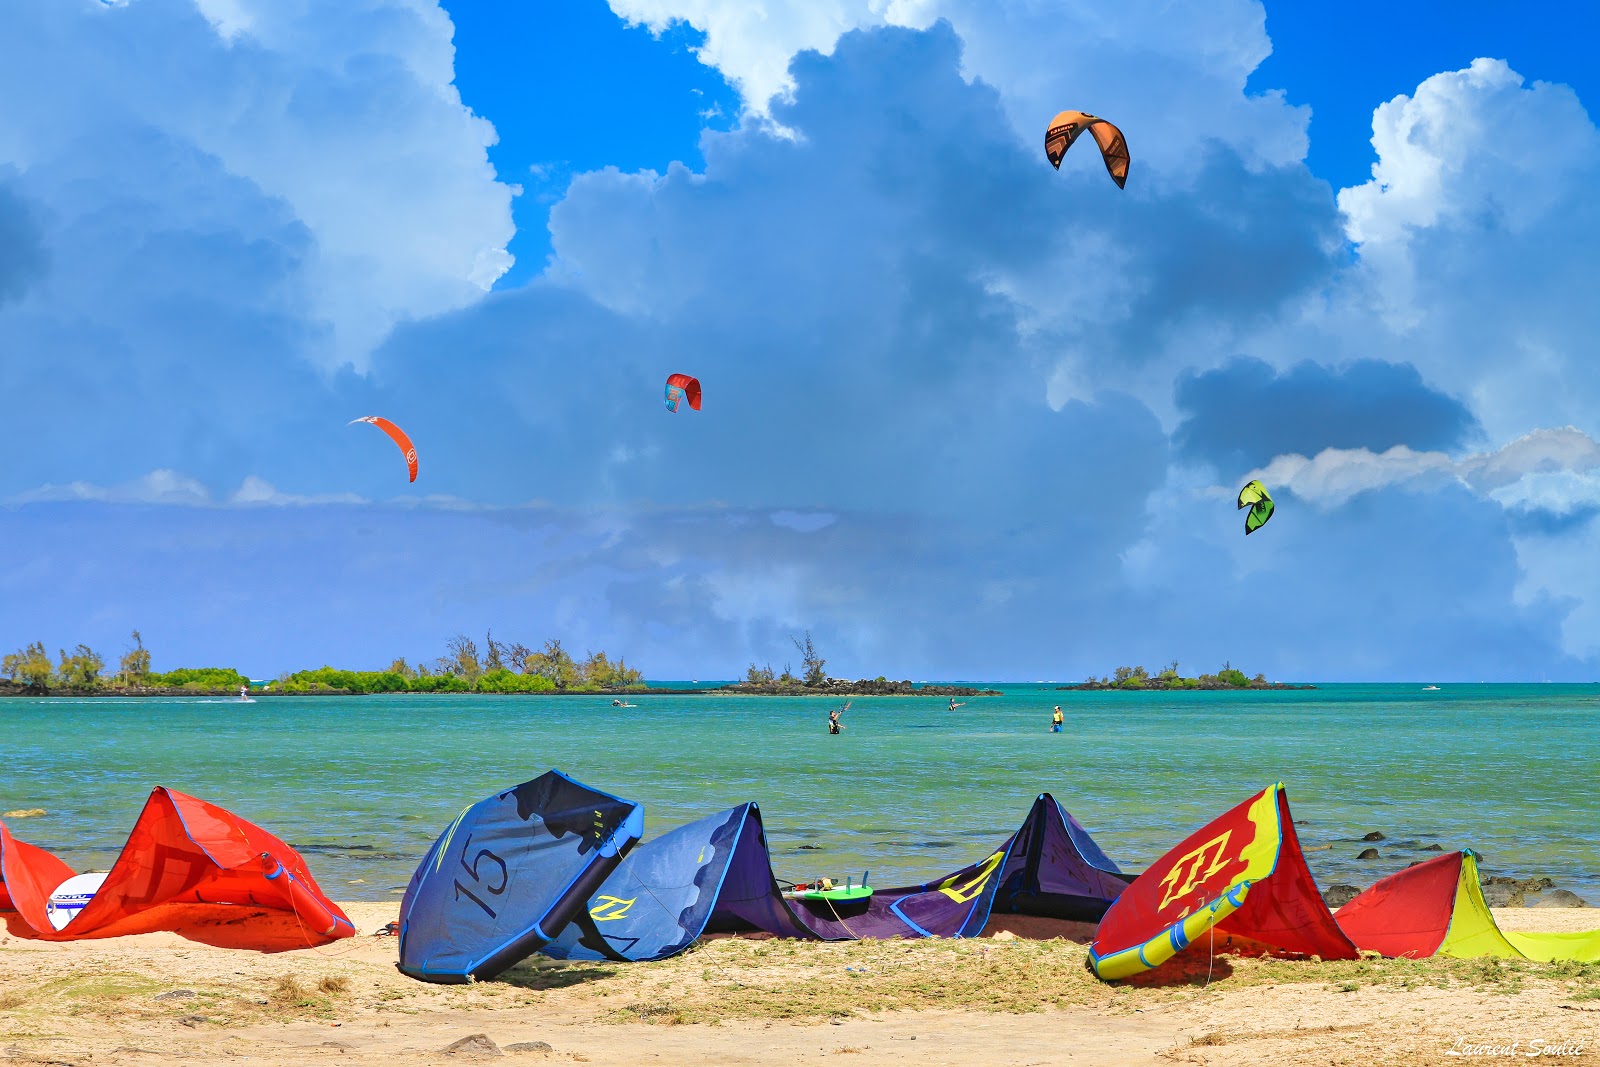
pixel 1056 719
pixel 244 692
pixel 954 705
pixel 834 725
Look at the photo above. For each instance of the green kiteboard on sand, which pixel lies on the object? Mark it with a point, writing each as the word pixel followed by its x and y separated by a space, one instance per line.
pixel 824 889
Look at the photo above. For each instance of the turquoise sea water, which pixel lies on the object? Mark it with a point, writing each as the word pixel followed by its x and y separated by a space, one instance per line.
pixel 363 784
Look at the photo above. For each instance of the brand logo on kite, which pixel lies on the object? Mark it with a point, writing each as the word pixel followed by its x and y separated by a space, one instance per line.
pixel 973 885
pixel 611 908
pixel 1192 868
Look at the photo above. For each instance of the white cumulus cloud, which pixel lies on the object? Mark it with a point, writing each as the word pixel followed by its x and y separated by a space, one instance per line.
pixel 174 488
pixel 1549 469
pixel 344 113
pixel 1172 75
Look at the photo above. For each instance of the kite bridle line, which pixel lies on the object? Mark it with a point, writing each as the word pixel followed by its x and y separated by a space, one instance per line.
pixel 840 918
pixel 1211 950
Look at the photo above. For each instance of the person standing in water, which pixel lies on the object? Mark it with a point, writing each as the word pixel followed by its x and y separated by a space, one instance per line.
pixel 834 725
pixel 954 705
pixel 1056 719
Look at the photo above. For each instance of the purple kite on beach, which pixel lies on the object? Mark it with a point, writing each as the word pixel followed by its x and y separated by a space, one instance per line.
pixel 715 875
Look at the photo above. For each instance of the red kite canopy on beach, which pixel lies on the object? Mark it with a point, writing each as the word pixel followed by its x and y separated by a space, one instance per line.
pixel 1065 128
pixel 680 386
pixel 1241 875
pixel 1437 909
pixel 182 855
pixel 397 435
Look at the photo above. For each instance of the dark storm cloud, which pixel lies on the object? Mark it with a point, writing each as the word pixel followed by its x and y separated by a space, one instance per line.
pixel 1241 415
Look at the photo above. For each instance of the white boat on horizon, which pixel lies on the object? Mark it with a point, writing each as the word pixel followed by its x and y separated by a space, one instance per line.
pixel 1428 688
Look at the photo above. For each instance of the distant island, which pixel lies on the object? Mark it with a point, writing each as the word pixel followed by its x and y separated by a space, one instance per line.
pixel 840 687
pixel 499 667
pixel 496 667
pixel 1229 677
pixel 813 680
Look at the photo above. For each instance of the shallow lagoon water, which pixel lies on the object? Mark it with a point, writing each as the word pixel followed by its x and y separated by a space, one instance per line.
pixel 910 790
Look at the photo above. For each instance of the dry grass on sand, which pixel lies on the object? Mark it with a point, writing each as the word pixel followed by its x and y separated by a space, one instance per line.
pixel 158 999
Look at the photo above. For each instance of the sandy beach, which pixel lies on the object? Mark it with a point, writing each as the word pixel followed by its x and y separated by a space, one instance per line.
pixel 1008 998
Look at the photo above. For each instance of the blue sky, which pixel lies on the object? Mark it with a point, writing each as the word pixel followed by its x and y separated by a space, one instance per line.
pixel 966 416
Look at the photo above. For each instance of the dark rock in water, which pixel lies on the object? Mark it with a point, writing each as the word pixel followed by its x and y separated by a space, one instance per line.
pixel 808 848
pixel 1559 898
pixel 1503 893
pixel 1433 847
pixel 1368 854
pixel 475 1045
pixel 1376 835
pixel 1337 896
pixel 530 1046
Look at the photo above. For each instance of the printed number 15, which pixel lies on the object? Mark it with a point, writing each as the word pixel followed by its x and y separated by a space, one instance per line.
pixel 477 874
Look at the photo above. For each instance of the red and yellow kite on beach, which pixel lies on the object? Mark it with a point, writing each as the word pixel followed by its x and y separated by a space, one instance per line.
pixel 1241 876
pixel 1437 909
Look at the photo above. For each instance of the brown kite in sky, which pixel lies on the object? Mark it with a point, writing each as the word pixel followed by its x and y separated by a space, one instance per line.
pixel 1065 128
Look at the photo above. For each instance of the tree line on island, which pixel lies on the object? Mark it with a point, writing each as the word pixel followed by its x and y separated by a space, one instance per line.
pixel 813 670
pixel 813 680
pixel 1229 677
pixel 497 667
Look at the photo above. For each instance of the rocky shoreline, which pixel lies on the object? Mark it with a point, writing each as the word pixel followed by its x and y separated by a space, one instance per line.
pixel 833 687
pixel 840 687
pixel 12 689
pixel 1187 685
pixel 1499 891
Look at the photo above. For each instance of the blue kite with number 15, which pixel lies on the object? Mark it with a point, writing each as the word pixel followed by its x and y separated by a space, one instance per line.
pixel 508 874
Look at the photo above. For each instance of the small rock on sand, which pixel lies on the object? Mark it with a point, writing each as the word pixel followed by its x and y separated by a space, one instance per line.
pixel 473 1045
pixel 530 1046
pixel 24 813
pixel 1002 935
pixel 1559 898
pixel 177 994
pixel 1338 896
pixel 1376 835
pixel 1368 854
